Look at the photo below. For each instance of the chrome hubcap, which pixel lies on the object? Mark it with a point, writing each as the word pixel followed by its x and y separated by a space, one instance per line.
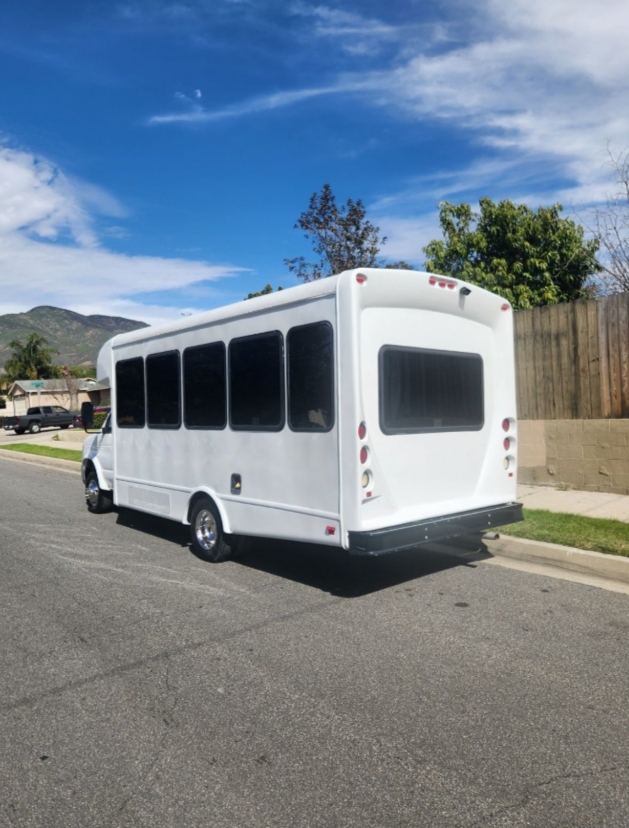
pixel 91 493
pixel 206 530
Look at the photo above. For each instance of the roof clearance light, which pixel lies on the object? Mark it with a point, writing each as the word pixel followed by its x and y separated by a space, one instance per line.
pixel 505 307
pixel 451 285
pixel 361 278
pixel 362 431
pixel 364 455
pixel 432 281
pixel 442 284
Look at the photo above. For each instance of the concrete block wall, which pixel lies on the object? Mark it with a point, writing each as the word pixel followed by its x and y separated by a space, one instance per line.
pixel 592 455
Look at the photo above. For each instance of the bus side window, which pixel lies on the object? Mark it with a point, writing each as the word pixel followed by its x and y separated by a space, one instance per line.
pixel 205 386
pixel 311 377
pixel 256 382
pixel 163 390
pixel 130 407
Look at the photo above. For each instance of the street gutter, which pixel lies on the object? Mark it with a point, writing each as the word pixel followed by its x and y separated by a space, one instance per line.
pixel 612 567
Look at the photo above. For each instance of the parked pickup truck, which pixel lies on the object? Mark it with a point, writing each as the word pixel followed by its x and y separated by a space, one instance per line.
pixel 44 416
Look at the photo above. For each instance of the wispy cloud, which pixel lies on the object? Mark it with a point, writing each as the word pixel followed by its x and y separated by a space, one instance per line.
pixel 197 114
pixel 353 32
pixel 50 252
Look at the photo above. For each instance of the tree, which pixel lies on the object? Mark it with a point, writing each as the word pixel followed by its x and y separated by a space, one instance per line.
pixel 610 227
pixel 264 292
pixel 343 239
pixel 530 258
pixel 31 360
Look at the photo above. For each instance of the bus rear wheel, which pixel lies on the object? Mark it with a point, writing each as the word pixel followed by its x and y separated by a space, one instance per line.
pixel 206 533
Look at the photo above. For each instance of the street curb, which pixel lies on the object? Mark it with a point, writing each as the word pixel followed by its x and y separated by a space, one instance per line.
pixel 36 460
pixel 612 567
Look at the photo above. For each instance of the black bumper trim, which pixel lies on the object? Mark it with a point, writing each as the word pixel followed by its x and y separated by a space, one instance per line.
pixel 393 538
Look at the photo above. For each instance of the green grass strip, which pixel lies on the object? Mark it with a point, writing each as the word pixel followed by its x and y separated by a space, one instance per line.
pixel 45 451
pixel 595 534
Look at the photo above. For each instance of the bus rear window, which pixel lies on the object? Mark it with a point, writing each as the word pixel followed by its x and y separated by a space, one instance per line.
pixel 423 391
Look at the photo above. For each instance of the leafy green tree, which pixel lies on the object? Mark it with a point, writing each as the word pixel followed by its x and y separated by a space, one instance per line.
pixel 83 371
pixel 31 360
pixel 342 238
pixel 264 292
pixel 530 258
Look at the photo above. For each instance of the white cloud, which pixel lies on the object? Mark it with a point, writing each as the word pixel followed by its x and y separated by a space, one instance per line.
pixel 277 100
pixel 50 252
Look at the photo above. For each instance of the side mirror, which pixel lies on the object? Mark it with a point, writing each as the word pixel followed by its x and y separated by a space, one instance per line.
pixel 87 415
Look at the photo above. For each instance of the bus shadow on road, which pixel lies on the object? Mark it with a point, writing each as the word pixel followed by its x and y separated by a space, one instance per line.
pixel 347 576
pixel 325 568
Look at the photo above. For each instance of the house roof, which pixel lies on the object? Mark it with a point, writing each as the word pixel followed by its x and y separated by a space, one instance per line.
pixel 54 386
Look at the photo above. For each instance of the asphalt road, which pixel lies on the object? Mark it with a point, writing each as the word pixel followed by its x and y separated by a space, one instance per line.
pixel 140 686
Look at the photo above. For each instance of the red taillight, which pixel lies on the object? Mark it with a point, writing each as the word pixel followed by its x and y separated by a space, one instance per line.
pixel 361 279
pixel 362 431
pixel 330 530
pixel 432 281
pixel 505 307
pixel 364 454
pixel 506 425
pixel 506 443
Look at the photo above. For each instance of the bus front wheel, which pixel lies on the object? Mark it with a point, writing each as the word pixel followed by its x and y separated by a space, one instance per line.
pixel 206 532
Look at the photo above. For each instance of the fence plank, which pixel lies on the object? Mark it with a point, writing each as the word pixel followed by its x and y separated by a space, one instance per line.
pixel 614 357
pixel 522 401
pixel 546 395
pixel 602 309
pixel 623 352
pixel 594 359
pixel 583 402
pixel 530 370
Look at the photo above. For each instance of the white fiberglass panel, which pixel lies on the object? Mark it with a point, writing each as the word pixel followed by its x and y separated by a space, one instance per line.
pixel 434 472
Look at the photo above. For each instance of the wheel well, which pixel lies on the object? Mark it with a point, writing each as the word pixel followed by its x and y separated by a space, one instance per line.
pixel 196 498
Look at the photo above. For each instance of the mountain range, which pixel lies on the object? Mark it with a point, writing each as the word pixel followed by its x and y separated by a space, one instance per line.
pixel 78 338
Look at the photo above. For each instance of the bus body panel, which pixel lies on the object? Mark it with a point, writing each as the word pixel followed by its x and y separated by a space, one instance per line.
pixel 285 471
pixel 308 485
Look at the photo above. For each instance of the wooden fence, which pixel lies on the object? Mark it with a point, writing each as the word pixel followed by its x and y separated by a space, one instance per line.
pixel 572 360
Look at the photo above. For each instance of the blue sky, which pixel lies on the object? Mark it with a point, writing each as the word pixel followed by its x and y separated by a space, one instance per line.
pixel 154 155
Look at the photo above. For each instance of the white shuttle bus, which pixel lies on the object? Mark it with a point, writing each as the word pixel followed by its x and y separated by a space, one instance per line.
pixel 372 411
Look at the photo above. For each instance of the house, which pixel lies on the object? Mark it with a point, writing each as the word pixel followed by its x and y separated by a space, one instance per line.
pixel 24 394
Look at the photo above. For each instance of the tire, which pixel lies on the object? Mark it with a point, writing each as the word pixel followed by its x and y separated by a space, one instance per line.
pixel 98 501
pixel 19 430
pixel 209 542
pixel 34 428
pixel 66 426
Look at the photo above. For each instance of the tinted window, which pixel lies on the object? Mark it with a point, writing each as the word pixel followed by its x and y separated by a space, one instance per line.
pixel 430 390
pixel 163 390
pixel 311 377
pixel 256 382
pixel 59 410
pixel 46 410
pixel 130 393
pixel 204 386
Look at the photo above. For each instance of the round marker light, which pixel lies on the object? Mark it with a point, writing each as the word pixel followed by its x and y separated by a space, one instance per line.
pixel 364 454
pixel 506 443
pixel 506 463
pixel 364 480
pixel 505 425
pixel 361 278
pixel 362 431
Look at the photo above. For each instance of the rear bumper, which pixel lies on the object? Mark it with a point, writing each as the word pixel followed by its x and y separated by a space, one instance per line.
pixel 392 538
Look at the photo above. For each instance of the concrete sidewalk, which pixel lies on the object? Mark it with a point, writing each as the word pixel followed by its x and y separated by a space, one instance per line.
pixel 573 502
